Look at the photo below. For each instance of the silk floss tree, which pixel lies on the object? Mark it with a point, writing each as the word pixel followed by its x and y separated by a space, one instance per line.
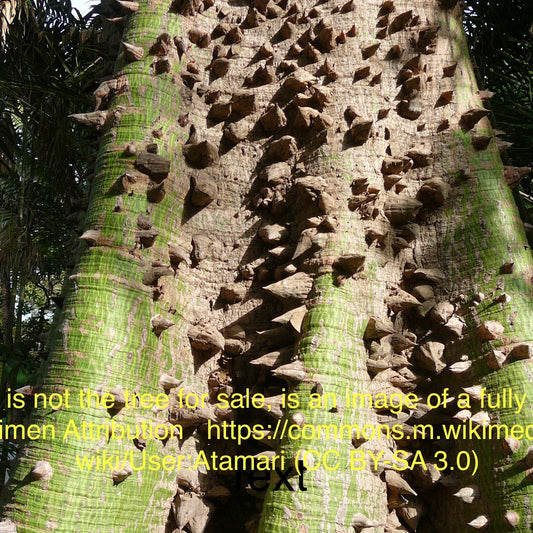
pixel 293 198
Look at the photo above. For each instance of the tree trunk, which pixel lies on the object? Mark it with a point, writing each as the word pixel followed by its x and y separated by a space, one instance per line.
pixel 328 161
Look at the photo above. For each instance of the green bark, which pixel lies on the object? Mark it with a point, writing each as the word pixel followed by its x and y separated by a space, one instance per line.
pixel 104 337
pixel 481 232
pixel 333 352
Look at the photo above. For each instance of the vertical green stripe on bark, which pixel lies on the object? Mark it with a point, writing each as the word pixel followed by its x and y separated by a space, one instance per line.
pixel 482 230
pixel 104 337
pixel 333 352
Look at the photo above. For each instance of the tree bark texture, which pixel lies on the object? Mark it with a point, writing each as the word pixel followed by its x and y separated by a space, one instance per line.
pixel 333 156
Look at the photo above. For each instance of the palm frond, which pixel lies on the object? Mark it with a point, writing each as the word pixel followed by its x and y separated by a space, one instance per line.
pixel 8 11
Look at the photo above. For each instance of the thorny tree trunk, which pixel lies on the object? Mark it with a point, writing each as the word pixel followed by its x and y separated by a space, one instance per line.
pixel 332 156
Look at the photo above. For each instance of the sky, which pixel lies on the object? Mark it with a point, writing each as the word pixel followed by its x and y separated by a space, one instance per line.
pixel 82 5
